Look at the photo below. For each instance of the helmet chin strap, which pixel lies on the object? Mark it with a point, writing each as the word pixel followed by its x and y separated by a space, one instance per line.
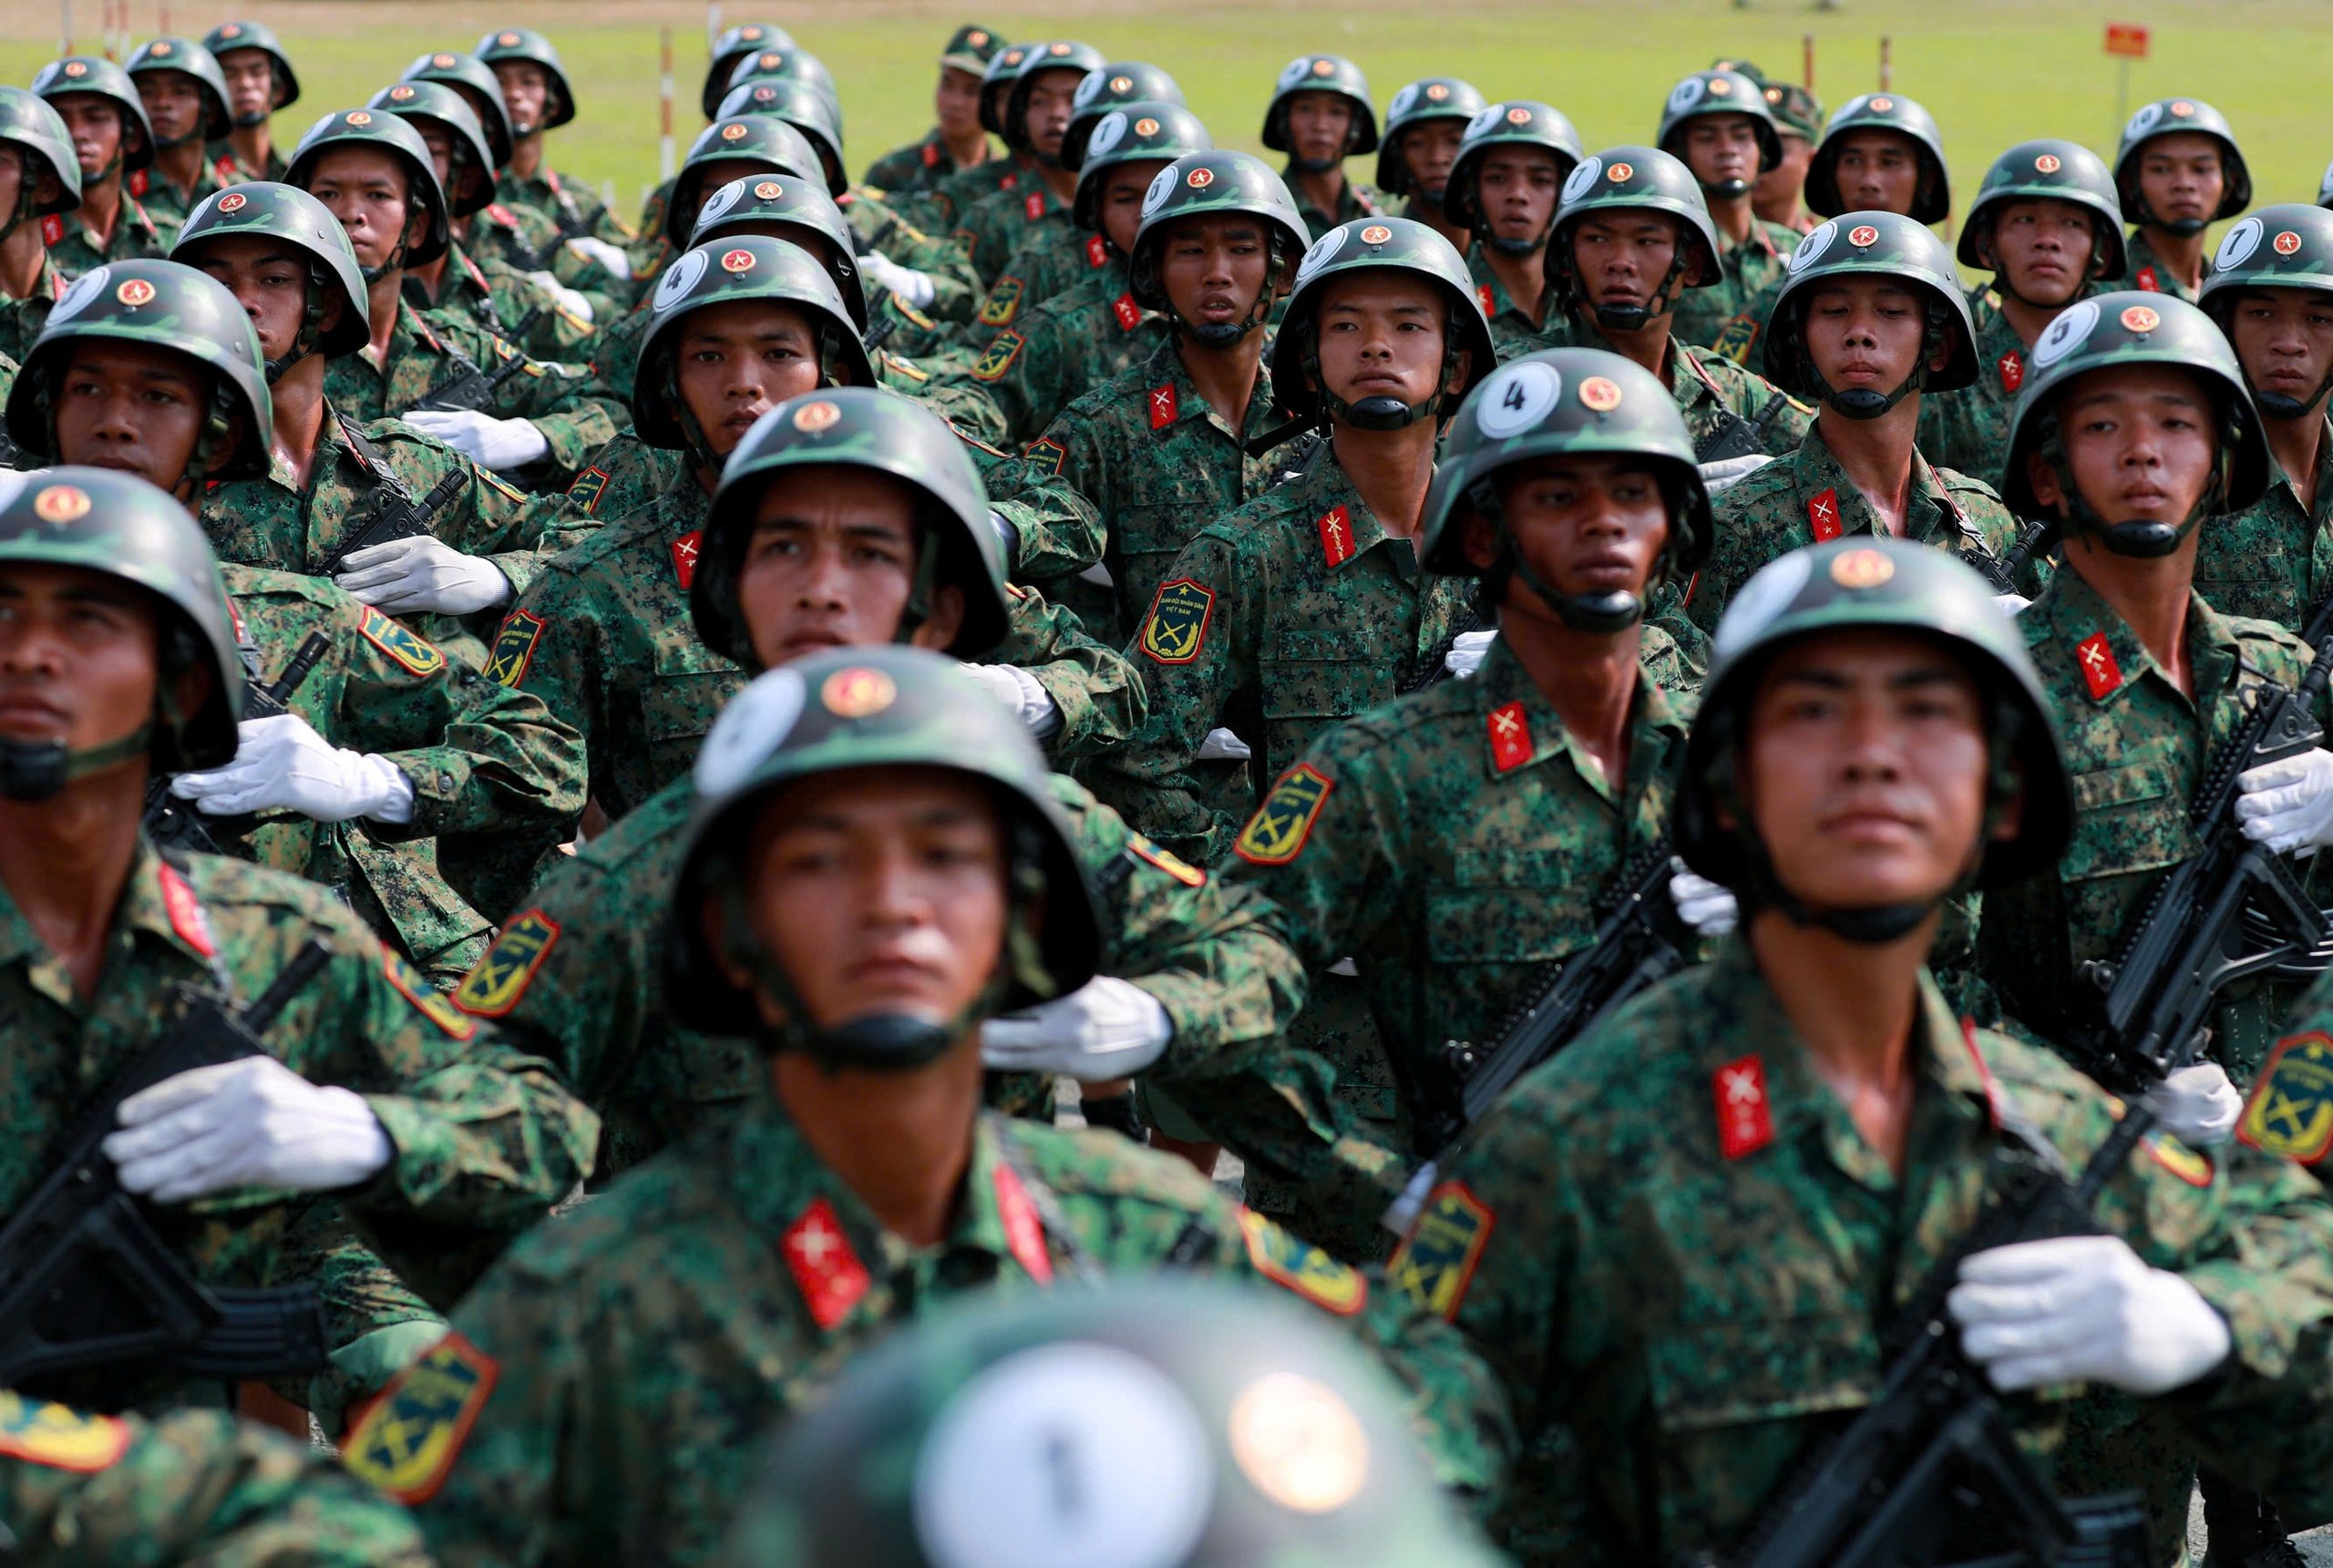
pixel 2185 228
pixel 36 770
pixel 1726 190
pixel 1383 410
pixel 311 325
pixel 1630 318
pixel 2272 405
pixel 1303 165
pixel 1518 249
pixel 25 202
pixel 245 119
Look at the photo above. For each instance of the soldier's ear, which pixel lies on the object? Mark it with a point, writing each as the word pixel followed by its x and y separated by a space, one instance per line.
pixel 1461 363
pixel 2043 476
pixel 945 620
pixel 1477 541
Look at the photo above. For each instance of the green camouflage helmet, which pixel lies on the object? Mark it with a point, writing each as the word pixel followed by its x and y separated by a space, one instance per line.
pixel 95 75
pixel 286 212
pixel 1212 182
pixel 428 103
pixel 1879 244
pixel 997 81
pixel 1427 99
pixel 2168 116
pixel 791 66
pixel 1932 200
pixel 27 120
pixel 1622 179
pixel 118 525
pixel 516 45
pixel 166 305
pixel 468 74
pixel 2325 187
pixel 1113 86
pixel 229 37
pixel 970 47
pixel 1373 244
pixel 1564 402
pixel 1750 68
pixel 1717 92
pixel 1321 74
pixel 1516 122
pixel 2048 169
pixel 845 710
pixel 732 47
pixel 392 134
pixel 1133 133
pixel 1205 1424
pixel 753 267
pixel 736 138
pixel 797 208
pixel 1059 55
pixel 1796 111
pixel 804 107
pixel 188 59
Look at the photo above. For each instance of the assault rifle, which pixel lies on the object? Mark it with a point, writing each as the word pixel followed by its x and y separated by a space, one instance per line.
pixel 2035 539
pixel 472 390
pixel 1735 436
pixel 175 824
pixel 394 515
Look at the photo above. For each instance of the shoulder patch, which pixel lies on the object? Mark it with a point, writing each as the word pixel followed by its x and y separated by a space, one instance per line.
pixel 59 1437
pixel 407 1442
pixel 514 647
pixel 916 317
pixel 502 977
pixel 2291 1112
pixel 1174 864
pixel 1435 1262
pixel 998 356
pixel 585 491
pixel 400 642
pixel 1047 453
pixel 899 366
pixel 1735 338
pixel 501 486
pixel 685 552
pixel 1276 833
pixel 427 999
pixel 1002 303
pixel 2187 1164
pixel 829 1272
pixel 1302 1267
pixel 1176 628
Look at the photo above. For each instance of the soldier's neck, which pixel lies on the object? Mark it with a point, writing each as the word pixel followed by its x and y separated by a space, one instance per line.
pixel 2030 320
pixel 384 297
pixel 22 256
pixel 298 399
pixel 526 156
pixel 64 861
pixel 1589 678
pixel 1429 214
pixel 1525 278
pixel 1734 216
pixel 1390 469
pixel 967 152
pixel 1875 455
pixel 430 275
pixel 180 165
pixel 1781 208
pixel 902 1141
pixel 100 208
pixel 2297 445
pixel 252 146
pixel 1648 345
pixel 1225 377
pixel 2181 255
pixel 1320 191
pixel 2150 593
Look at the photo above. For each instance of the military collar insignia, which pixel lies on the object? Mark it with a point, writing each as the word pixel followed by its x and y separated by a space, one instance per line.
pixel 1823 514
pixel 1508 729
pixel 1745 1116
pixel 2100 672
pixel 825 1267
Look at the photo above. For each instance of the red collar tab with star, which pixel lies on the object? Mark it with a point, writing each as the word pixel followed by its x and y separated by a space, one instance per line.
pixel 685 557
pixel 1129 314
pixel 2012 369
pixel 1510 735
pixel 1097 250
pixel 1023 1231
pixel 185 910
pixel 1035 206
pixel 2147 281
pixel 1165 406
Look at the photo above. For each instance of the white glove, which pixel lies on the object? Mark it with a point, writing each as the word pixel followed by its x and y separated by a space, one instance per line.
pixel 1467 652
pixel 565 297
pixel 1022 697
pixel 1403 1212
pixel 2084 1308
pixel 612 257
pixel 1701 904
pixel 1727 472
pixel 912 286
pixel 281 761
pixel 2197 1104
pixel 1107 1028
pixel 250 1123
pixel 2289 804
pixel 489 442
pixel 424 573
pixel 2011 604
pixel 1223 746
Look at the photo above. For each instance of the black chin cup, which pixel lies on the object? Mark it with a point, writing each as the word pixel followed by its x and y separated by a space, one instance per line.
pixel 1623 318
pixel 1862 403
pixel 1727 189
pixel 32 770
pixel 2146 541
pixel 2185 228
pixel 879 1042
pixel 1602 613
pixel 2279 405
pixel 1382 412
pixel 1516 248
pixel 1217 334
pixel 248 118
pixel 1303 165
pixel 1422 197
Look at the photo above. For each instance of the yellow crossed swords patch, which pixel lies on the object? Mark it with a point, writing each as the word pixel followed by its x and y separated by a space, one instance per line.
pixel 502 977
pixel 2291 1112
pixel 406 1443
pixel 1176 629
pixel 1282 824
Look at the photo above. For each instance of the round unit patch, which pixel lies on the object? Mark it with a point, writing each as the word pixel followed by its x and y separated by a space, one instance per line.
pixel 1599 394
pixel 1516 398
pixel 1861 569
pixel 2070 328
pixel 1863 235
pixel 2048 163
pixel 234 201
pixel 751 727
pixel 1620 173
pixel 2286 243
pixel 812 417
pixel 2140 318
pixel 857 692
pixel 2237 245
pixel 61 503
pixel 1298 1442
pixel 1375 234
pixel 738 261
pixel 134 293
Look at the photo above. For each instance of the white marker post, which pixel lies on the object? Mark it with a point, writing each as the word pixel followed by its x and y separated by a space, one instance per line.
pixel 664 164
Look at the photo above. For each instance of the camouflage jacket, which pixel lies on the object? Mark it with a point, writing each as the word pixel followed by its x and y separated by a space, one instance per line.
pixel 2273 560
pixel 1510 322
pixel 921 165
pixel 21 320
pixel 1683 1305
pixel 1324 615
pixel 943 203
pixel 1712 392
pixel 495 297
pixel 999 225
pixel 605 1392
pixel 880 226
pixel 1748 268
pixel 1352 201
pixel 1052 262
pixel 1967 430
pixel 1077 340
pixel 137 233
pixel 2146 270
pixel 574 208
pixel 222 153
pixel 169 205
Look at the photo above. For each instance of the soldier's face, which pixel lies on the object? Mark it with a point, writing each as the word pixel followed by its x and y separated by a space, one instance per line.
pixel 1866 332
pixel 525 90
pixel 365 187
pixel 440 142
pixel 77 656
pixel 1721 148
pixel 130 407
pixel 1582 525
pixel 1782 184
pixel 736 361
pixel 831 563
pixel 250 84
pixel 1878 171
pixel 1864 768
pixel 1430 148
pixel 879 890
pixel 1052 95
pixel 1122 192
pixel 173 103
pixel 2284 337
pixel 1214 268
pixel 1319 126
pixel 1517 191
pixel 487 110
pixel 2181 176
pixel 2140 444
pixel 2044 247
pixel 95 125
pixel 1382 336
pixel 1621 258
pixel 270 279
pixel 956 102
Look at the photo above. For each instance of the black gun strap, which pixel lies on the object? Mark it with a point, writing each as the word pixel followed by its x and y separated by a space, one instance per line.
pixel 384 478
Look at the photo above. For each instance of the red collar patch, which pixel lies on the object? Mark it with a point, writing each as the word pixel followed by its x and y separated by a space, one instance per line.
pixel 1336 535
pixel 502 214
pixel 185 910
pixel 2012 369
pixel 1097 250
pixel 1129 314
pixel 1745 1121
pixel 1010 182
pixel 2098 670
pixel 830 1274
pixel 1035 205
pixel 932 155
pixel 52 229
pixel 1823 514
pixel 225 170
pixel 1023 1231
pixel 1483 294
pixel 137 183
pixel 1510 735
pixel 1163 406
pixel 2146 280
pixel 685 557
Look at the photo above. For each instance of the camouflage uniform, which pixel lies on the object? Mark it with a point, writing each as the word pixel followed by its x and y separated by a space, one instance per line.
pixel 1038 272
pixel 1076 339
pixel 21 320
pixel 168 206
pixel 1510 322
pixel 1352 201
pixel 999 226
pixel 2147 272
pixel 136 233
pixel 2273 560
pixel 570 205
pixel 919 167
pixel 940 204
pixel 1712 392
pixel 232 170
pixel 1967 431
pixel 1750 268
pixel 495 297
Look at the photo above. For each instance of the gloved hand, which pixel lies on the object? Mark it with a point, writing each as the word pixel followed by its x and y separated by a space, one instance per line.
pixel 2197 1104
pixel 885 273
pixel 281 761
pixel 250 1123
pixel 565 297
pixel 2288 805
pixel 424 573
pixel 1727 472
pixel 2011 604
pixel 610 257
pixel 1107 1028
pixel 1021 694
pixel 1707 908
pixel 489 442
pixel 2084 1308
pixel 1467 652
pixel 1223 746
pixel 1403 1212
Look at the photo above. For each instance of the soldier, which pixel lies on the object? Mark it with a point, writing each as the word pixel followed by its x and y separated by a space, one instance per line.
pixel 1424 126
pixel 521 236
pixel 2177 170
pixel 2046 224
pixel 1717 123
pixel 875 864
pixel 1035 117
pixel 729 48
pixel 2268 290
pixel 185 96
pixel 47 178
pixel 733 147
pixel 106 120
pixel 535 93
pixel 260 81
pixel 1319 115
pixel 1778 196
pixel 1503 187
pixel 940 205
pixel 958 142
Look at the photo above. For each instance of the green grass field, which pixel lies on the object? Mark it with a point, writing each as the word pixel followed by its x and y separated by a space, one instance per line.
pixel 1992 72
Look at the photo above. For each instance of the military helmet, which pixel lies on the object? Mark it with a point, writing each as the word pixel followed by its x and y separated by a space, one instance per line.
pixel 1112 86
pixel 1004 69
pixel 1133 133
pixel 792 66
pixel 2299 256
pixel 1879 244
pixel 27 120
pixel 2168 117
pixel 98 75
pixel 473 160
pixel 229 37
pixel 1564 402
pixel 760 138
pixel 799 205
pixel 1750 68
pixel 392 134
pixel 116 524
pixel 804 107
pixel 288 213
pixel 1428 98
pixel 1796 110
pixel 2325 187
pixel 732 47
pixel 161 304
pixel 1932 203
pixel 1367 244
pixel 1516 122
pixel 750 267
pixel 524 43
pixel 970 47
pixel 1206 1424
pixel 479 89
pixel 2050 169
pixel 1719 92
pixel 188 58
pixel 1643 177
pixel 1081 58
pixel 1321 74
pixel 1204 182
